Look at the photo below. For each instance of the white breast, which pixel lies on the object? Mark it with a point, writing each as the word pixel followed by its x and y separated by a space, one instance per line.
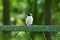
pixel 29 20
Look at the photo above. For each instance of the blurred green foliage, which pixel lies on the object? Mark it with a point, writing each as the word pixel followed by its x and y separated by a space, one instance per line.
pixel 19 8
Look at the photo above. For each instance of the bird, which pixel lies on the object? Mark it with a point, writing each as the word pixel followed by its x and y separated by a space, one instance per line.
pixel 29 19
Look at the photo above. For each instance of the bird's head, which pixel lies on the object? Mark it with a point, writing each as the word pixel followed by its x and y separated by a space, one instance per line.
pixel 29 14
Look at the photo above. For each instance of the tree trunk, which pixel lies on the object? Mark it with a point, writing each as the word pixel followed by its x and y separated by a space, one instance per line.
pixel 6 35
pixel 29 6
pixel 47 18
pixel 33 9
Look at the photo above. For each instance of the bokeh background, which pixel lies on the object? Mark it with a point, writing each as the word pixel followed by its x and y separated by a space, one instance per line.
pixel 42 10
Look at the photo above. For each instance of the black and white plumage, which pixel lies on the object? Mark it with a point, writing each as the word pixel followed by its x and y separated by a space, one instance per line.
pixel 29 19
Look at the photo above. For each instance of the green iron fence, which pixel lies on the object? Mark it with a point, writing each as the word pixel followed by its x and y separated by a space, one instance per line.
pixel 39 28
pixel 30 28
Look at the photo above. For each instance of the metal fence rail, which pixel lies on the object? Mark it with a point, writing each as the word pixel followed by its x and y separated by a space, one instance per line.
pixel 39 28
pixel 30 28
